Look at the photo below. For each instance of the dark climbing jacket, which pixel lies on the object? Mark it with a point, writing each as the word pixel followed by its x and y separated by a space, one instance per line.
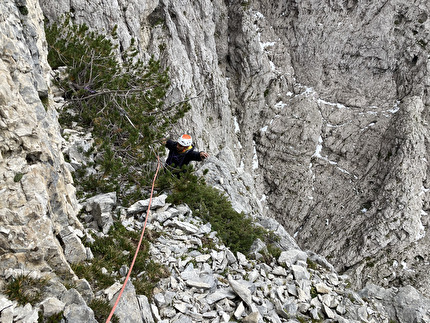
pixel 176 160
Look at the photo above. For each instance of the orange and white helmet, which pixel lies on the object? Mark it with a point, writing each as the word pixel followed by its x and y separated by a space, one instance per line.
pixel 185 140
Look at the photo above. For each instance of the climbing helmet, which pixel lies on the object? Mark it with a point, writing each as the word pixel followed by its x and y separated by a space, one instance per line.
pixel 185 140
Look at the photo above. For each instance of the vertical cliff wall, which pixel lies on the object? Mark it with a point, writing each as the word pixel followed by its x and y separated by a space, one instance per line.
pixel 37 198
pixel 345 157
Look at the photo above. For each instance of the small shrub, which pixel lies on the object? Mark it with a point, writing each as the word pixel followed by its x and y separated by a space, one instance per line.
pixel 92 272
pixel 235 229
pixel 23 10
pixel 314 292
pixel 45 102
pixel 271 239
pixel 25 289
pixel 348 284
pixel 18 177
pixel 102 309
pixel 108 253
pixel 311 264
pixel 303 319
pixel 119 99
pixel 207 243
pixel 55 318
pixel 146 282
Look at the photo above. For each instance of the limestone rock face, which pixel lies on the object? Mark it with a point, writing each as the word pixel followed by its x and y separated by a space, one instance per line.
pixel 343 152
pixel 323 105
pixel 327 102
pixel 37 196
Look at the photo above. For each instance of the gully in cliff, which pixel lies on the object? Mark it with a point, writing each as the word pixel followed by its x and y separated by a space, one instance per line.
pixel 181 153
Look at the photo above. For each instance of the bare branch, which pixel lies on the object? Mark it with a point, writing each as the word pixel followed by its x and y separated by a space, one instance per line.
pixel 170 107
pixel 106 92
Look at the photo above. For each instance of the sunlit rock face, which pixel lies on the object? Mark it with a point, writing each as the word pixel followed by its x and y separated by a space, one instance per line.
pixel 37 198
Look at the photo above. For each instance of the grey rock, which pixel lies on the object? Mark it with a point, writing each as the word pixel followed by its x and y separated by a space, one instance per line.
pixel 142 205
pixel 72 296
pixel 328 300
pixel 258 246
pixel 300 273
pixel 159 299
pixel 25 313
pixel 254 317
pixel 290 257
pixel 169 296
pixel 101 207
pixel 277 114
pixel 123 271
pixel 286 242
pixel 253 275
pixel 362 313
pixel 322 288
pixel 128 309
pixel 292 290
pixel 181 306
pixel 145 309
pixel 43 202
pixel 155 312
pixel 8 314
pixel 291 307
pixel 74 250
pixel 112 290
pixel 315 313
pixel 406 305
pixel 203 258
pixel 241 290
pixel 231 259
pixel 320 260
pixel 205 229
pixel 198 284
pixel 4 303
pixel 51 306
pixel 168 312
pixel 240 311
pixel 186 227
pixel 102 203
pixel 78 144
pixel 280 309
pixel 210 315
pixel 341 309
pixel 279 271
pixel 74 313
pixel 328 311
pixel 220 294
pixel 411 306
pixel 182 319
pixel 85 289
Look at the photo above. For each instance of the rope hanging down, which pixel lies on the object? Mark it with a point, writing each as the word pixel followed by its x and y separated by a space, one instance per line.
pixel 138 246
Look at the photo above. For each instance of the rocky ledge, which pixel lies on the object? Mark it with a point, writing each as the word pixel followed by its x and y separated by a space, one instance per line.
pixel 212 284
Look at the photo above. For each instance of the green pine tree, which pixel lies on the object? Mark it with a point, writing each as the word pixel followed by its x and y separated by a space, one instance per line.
pixel 119 98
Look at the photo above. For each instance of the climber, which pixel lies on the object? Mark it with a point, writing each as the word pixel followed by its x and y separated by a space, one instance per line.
pixel 182 152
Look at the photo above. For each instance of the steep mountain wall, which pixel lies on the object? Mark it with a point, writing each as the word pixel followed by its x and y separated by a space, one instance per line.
pixel 37 198
pixel 347 148
pixel 321 109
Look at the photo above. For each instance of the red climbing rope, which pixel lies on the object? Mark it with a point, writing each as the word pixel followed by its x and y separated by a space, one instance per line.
pixel 138 246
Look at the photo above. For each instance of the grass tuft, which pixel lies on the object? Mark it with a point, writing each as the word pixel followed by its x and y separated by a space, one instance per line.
pixel 113 251
pixel 101 309
pixel 25 289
